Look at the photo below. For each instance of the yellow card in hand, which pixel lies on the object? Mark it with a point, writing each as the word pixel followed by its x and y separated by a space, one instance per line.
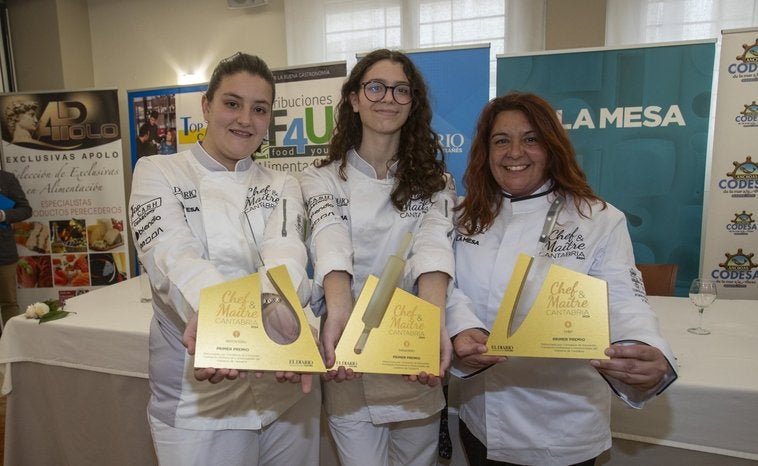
pixel 569 317
pixel 230 332
pixel 405 341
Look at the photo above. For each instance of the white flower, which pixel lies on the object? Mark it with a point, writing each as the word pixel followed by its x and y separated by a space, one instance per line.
pixel 36 310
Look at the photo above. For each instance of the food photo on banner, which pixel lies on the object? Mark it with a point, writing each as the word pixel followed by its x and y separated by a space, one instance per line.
pixel 65 149
pixel 638 118
pixel 165 120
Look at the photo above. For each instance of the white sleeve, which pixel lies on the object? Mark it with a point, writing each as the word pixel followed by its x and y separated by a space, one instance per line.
pixel 432 250
pixel 283 240
pixel 175 259
pixel 631 317
pixel 329 241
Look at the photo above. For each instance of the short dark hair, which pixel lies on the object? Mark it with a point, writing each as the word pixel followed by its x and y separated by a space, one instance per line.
pixel 144 130
pixel 154 114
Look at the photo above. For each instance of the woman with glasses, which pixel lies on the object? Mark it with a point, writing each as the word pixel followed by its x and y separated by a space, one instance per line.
pixel 384 177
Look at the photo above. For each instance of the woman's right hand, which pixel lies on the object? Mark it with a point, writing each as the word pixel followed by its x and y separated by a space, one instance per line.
pixel 469 347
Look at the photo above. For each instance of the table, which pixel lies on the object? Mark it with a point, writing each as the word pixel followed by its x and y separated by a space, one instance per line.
pixel 77 388
pixel 709 415
pixel 712 409
pixel 81 384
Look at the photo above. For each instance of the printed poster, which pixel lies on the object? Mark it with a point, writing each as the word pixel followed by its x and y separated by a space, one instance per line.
pixel 301 124
pixel 65 149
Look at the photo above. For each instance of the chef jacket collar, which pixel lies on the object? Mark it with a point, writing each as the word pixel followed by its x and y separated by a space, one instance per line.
pixel 356 161
pixel 543 190
pixel 205 159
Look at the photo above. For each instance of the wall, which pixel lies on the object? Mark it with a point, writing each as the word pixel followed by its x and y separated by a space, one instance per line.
pixel 574 24
pixel 36 45
pixel 137 44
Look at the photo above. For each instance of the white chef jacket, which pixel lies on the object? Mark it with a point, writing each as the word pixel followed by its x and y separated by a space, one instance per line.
pixel 355 228
pixel 186 212
pixel 541 410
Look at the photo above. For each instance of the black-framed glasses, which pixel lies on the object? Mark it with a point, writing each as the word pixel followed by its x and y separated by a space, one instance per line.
pixel 376 90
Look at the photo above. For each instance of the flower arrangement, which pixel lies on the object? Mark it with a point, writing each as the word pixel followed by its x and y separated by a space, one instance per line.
pixel 45 311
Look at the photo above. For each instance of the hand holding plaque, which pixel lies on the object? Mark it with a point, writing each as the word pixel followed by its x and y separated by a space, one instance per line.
pixel 391 331
pixel 569 317
pixel 231 333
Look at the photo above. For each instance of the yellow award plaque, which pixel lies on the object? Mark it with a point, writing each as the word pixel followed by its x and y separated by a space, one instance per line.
pixel 230 333
pixel 403 338
pixel 569 317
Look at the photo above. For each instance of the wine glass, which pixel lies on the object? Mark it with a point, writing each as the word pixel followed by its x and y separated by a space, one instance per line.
pixel 702 295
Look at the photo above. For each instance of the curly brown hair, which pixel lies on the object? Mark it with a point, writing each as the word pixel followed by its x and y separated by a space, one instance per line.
pixel 484 196
pixel 421 165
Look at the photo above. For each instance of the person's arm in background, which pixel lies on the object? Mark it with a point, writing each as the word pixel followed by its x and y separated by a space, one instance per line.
pixel 11 188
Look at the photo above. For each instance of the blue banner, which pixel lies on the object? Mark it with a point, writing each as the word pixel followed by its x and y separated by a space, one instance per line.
pixel 638 118
pixel 459 82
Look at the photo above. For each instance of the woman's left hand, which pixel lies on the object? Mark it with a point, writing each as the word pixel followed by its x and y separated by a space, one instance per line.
pixel 640 366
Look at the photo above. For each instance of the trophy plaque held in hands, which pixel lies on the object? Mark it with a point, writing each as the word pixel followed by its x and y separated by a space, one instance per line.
pixel 231 333
pixel 391 331
pixel 568 319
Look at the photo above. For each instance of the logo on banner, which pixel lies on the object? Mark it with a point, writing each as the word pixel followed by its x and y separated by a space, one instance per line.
pixel 651 116
pixel 749 116
pixel 742 181
pixel 746 69
pixel 742 224
pixel 301 134
pixel 737 271
pixel 61 124
pixel 452 142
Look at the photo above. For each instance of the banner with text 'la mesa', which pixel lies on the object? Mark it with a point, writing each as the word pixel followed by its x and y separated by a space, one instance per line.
pixel 638 118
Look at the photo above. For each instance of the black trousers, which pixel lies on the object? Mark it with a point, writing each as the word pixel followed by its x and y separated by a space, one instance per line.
pixel 476 451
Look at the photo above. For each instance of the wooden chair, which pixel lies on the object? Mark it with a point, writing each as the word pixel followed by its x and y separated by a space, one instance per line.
pixel 659 279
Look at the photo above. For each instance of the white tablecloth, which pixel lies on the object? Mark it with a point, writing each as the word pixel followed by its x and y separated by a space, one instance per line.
pixel 108 333
pixel 713 406
pixel 77 388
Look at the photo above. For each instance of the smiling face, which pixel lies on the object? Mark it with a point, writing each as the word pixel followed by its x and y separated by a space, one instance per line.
pixel 238 118
pixel 385 116
pixel 517 157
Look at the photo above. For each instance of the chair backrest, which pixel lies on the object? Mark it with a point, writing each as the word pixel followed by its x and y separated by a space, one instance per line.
pixel 659 279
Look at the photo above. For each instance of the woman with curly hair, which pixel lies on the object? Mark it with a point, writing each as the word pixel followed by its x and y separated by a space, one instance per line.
pixel 384 177
pixel 524 183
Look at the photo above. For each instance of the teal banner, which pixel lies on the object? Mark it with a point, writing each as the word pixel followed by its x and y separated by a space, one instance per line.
pixel 638 118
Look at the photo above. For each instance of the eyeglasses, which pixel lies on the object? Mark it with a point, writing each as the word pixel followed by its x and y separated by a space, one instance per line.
pixel 376 90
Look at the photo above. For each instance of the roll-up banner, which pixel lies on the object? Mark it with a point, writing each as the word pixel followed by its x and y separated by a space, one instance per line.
pixel 65 149
pixel 638 118
pixel 301 124
pixel 731 235
pixel 459 83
